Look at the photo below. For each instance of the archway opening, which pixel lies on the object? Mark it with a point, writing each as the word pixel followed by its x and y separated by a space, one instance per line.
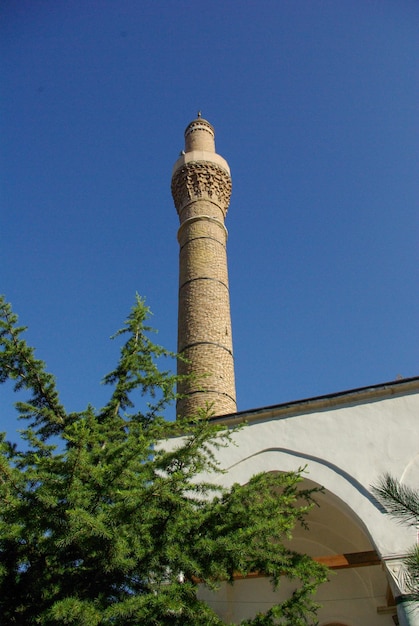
pixel 356 593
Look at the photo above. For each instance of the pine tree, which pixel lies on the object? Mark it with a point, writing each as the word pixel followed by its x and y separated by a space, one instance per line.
pixel 402 503
pixel 100 524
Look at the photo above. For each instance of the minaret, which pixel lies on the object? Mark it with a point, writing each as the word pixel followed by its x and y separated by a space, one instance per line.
pixel 201 189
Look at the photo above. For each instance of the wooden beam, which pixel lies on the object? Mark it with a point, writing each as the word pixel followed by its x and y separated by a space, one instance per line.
pixel 334 561
pixel 348 560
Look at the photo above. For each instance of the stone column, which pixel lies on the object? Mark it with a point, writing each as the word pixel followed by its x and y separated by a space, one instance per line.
pixel 201 189
pixel 407 606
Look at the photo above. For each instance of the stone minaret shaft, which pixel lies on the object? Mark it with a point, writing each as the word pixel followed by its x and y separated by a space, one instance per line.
pixel 201 189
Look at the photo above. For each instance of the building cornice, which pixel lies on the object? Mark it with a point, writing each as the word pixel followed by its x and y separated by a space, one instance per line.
pixel 372 393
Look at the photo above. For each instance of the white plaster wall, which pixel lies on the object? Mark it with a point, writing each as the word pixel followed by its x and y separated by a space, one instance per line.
pixel 346 449
pixel 351 597
pixel 347 443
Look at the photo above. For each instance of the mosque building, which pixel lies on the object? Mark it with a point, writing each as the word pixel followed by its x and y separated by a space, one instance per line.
pixel 347 440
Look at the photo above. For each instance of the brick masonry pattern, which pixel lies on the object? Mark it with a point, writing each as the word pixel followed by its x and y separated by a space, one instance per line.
pixel 201 192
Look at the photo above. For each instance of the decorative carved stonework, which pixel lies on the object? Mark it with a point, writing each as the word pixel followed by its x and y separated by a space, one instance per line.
pixel 398 576
pixel 201 179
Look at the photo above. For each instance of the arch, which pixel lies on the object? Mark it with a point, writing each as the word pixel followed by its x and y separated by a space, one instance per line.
pixel 353 497
pixel 334 527
pixel 353 594
pixel 310 458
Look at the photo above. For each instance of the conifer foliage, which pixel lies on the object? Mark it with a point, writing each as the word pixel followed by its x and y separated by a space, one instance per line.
pixel 101 524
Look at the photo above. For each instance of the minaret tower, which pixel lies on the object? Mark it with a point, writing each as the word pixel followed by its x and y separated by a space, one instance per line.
pixel 201 189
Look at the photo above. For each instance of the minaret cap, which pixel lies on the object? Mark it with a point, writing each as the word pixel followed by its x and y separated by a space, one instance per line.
pixel 199 135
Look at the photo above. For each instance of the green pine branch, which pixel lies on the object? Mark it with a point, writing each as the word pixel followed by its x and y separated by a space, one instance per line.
pixel 100 524
pixel 402 503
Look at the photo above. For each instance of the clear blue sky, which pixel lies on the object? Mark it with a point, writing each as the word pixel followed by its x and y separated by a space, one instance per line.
pixel 315 107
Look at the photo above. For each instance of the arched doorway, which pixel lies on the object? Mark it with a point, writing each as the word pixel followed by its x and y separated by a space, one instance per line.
pixel 357 592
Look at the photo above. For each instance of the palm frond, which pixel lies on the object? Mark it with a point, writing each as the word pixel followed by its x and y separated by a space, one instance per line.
pixel 400 501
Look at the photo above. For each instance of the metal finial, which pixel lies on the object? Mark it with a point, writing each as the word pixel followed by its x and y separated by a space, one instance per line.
pixel 199 113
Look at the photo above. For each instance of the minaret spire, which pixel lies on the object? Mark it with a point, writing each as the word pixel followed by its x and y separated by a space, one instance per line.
pixel 201 189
